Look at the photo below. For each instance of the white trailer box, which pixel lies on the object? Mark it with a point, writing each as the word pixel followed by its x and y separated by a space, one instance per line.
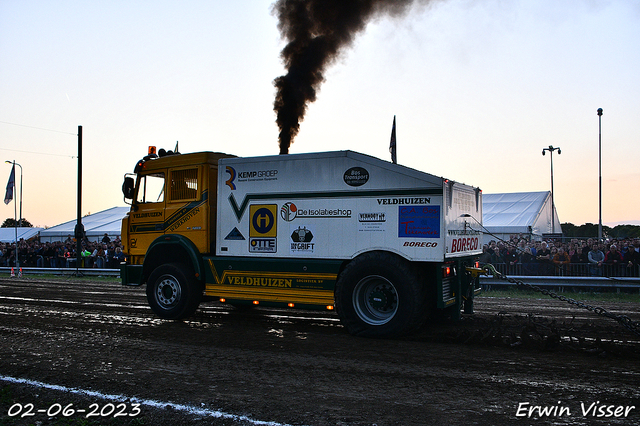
pixel 336 205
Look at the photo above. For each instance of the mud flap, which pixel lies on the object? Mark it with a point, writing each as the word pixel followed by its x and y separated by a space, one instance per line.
pixel 131 275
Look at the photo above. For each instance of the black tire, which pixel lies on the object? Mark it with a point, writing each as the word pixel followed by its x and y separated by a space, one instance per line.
pixel 379 294
pixel 173 292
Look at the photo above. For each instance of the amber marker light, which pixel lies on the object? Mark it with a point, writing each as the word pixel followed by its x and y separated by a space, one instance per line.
pixel 223 300
pixel 291 305
pixel 255 302
pixel 330 307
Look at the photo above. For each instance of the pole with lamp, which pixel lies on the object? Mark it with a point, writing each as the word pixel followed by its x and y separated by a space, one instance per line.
pixel 553 208
pixel 599 174
pixel 19 221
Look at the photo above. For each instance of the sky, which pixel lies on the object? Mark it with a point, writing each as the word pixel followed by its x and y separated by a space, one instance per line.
pixel 478 88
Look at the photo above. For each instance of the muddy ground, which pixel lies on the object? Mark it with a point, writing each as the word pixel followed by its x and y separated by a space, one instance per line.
pixel 227 367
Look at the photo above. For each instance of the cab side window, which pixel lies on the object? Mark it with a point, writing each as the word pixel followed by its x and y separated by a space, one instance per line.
pixel 151 188
pixel 184 185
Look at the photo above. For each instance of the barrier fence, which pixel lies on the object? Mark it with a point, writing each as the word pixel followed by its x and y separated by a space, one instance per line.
pixel 568 270
pixel 32 271
pixel 561 284
pixel 557 282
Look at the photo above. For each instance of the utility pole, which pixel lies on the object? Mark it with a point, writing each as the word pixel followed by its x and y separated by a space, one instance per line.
pixel 600 174
pixel 553 208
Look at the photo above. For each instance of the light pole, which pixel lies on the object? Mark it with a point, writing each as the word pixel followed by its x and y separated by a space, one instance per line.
pixel 20 220
pixel 600 174
pixel 553 208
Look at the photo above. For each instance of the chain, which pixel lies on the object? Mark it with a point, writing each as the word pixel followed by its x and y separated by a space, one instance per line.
pixel 624 320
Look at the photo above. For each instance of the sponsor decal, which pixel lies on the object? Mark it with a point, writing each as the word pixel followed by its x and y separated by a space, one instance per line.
pixel 301 240
pixel 239 276
pixel 406 200
pixel 420 244
pixel 373 222
pixel 235 234
pixel 258 175
pixel 372 217
pixel 356 176
pixel 188 214
pixel 464 244
pixel 263 228
pixel 419 222
pixel 240 208
pixel 465 201
pixel 260 281
pixel 263 220
pixel 290 211
pixel 232 177
pixel 262 245
pixel 249 176
pixel 463 232
pixel 150 214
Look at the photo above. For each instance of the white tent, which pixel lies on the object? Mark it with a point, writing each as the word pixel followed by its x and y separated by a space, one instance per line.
pixel 95 226
pixel 527 213
pixel 8 235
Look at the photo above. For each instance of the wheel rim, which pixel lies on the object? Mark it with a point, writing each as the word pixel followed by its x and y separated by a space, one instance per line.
pixel 375 300
pixel 168 291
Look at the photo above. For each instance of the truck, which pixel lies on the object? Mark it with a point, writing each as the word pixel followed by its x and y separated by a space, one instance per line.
pixel 384 245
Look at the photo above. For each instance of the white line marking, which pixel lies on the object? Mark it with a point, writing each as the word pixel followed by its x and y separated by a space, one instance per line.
pixel 148 402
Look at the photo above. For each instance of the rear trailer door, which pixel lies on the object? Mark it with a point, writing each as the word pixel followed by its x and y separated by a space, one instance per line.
pixel 463 220
pixel 463 241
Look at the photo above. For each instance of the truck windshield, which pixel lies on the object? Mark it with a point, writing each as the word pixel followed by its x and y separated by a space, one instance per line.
pixel 151 188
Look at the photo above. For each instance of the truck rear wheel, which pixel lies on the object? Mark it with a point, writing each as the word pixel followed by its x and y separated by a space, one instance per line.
pixel 379 295
pixel 173 293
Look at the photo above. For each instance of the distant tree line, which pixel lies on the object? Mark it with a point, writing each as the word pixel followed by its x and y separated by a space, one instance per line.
pixel 11 223
pixel 590 230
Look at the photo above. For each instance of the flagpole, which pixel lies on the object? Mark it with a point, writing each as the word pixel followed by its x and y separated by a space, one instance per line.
pixel 15 220
pixel 18 222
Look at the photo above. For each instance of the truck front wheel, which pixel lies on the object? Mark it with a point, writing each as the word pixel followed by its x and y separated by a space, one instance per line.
pixel 173 293
pixel 379 295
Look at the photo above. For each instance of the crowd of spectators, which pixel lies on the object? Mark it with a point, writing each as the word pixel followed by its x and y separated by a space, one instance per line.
pixel 521 256
pixel 105 253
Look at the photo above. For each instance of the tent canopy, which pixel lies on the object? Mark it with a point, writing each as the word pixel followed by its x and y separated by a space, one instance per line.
pixel 8 235
pixel 505 214
pixel 95 226
pixel 519 213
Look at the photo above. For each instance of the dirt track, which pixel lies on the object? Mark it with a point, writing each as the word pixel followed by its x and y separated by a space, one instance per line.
pixel 295 367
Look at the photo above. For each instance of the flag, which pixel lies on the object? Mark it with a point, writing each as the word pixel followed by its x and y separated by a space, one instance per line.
pixel 8 196
pixel 392 144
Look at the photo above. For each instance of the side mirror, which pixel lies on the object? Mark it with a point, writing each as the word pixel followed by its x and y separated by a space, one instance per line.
pixel 128 187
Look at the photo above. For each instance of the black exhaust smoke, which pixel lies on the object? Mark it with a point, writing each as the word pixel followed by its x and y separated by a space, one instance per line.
pixel 316 31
